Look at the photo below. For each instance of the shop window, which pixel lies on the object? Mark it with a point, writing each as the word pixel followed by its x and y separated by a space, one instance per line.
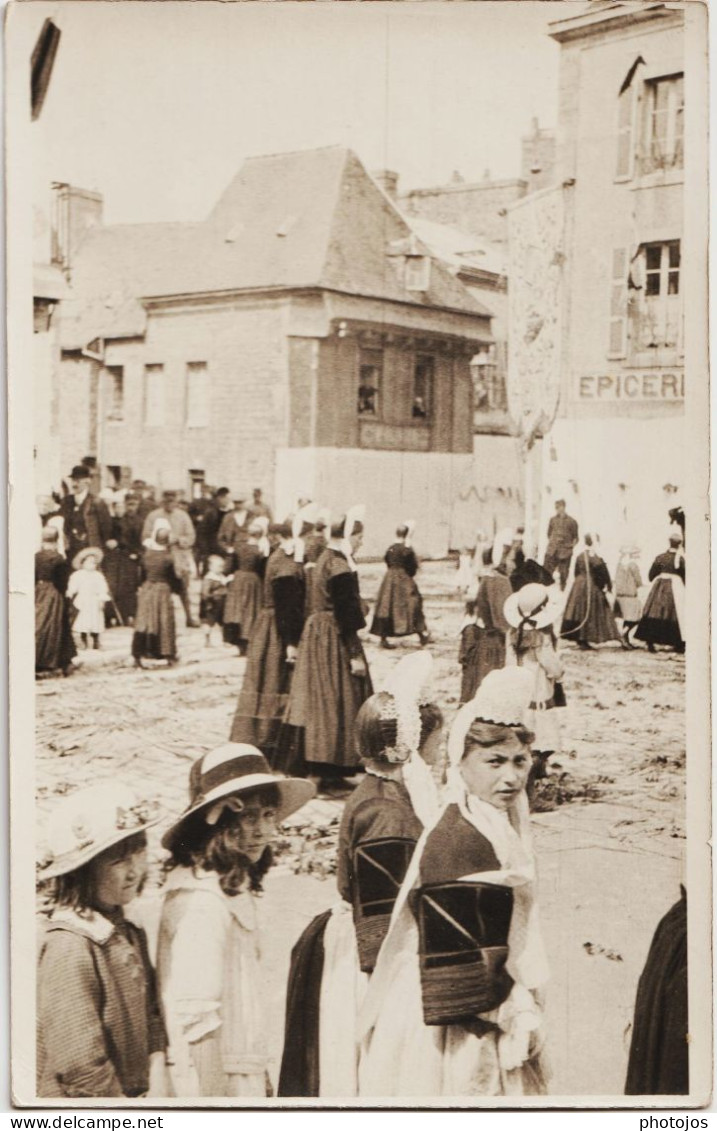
pixel 663 125
pixel 154 395
pixel 197 395
pixel 115 392
pixel 655 307
pixel 423 380
pixel 370 377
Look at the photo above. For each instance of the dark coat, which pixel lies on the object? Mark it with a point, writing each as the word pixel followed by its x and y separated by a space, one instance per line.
pixel 90 524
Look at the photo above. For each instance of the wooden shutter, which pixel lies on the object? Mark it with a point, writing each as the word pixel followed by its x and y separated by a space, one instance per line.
pixel 618 303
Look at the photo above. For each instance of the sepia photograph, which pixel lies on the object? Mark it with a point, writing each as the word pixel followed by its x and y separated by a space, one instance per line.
pixel 358 411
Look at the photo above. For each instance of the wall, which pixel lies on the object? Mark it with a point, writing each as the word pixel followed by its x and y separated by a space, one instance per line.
pixel 610 213
pixel 476 208
pixel 395 486
pixel 244 346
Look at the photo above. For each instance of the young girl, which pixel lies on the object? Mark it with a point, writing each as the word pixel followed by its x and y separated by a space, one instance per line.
pixel 628 582
pixel 213 596
pixel 453 1006
pixel 532 611
pixel 87 588
pixel 208 963
pixel 398 736
pixel 99 1030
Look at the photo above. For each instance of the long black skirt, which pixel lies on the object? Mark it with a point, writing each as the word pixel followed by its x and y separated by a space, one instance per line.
pixel 242 606
pixel 399 606
pixel 323 702
pixel 265 689
pixel 155 636
pixel 54 645
pixel 588 618
pixel 659 623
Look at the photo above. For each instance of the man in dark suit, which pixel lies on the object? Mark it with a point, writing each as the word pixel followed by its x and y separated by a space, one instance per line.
pixel 562 539
pixel 87 522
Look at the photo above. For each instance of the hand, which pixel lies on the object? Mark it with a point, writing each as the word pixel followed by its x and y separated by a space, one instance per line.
pixel 358 667
pixel 112 544
pixel 291 653
pixel 160 1082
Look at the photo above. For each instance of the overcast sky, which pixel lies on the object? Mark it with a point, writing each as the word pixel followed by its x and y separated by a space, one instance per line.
pixel 156 105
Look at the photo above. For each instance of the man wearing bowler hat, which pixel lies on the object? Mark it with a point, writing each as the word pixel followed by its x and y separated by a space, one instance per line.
pixel 87 521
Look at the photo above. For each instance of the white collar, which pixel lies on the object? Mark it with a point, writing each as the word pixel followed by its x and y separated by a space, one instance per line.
pixel 242 906
pixel 93 925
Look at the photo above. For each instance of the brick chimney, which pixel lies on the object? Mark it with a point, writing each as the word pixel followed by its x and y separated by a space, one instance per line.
pixel 388 181
pixel 75 211
pixel 538 157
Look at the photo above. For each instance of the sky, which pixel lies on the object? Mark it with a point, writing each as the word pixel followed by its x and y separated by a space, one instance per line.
pixel 155 105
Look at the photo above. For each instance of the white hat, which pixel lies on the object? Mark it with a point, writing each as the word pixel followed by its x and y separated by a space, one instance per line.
pixel 234 768
pixel 533 606
pixel 87 822
pixel 83 555
pixel 503 699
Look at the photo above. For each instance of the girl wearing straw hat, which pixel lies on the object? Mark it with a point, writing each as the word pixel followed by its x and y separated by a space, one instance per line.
pixel 99 1028
pixel 453 1007
pixel 532 612
pixel 208 959
pixel 87 588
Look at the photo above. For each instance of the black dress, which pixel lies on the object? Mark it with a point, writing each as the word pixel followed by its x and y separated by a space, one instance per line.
pixel 482 649
pixel 121 566
pixel 399 605
pixel 154 629
pixel 243 600
pixel 659 623
pixel 659 1061
pixel 54 645
pixel 267 679
pixel 325 694
pixel 588 618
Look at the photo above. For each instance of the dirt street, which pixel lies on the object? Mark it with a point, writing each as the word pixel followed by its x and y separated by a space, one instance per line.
pixel 609 831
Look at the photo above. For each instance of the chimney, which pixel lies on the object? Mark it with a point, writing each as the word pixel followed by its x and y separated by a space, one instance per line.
pixel 388 181
pixel 538 157
pixel 75 211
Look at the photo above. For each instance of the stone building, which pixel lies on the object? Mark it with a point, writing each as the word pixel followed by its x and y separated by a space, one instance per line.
pixel 616 450
pixel 302 338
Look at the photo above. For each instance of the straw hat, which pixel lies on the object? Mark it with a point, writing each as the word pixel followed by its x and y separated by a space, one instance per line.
pixel 88 552
pixel 234 768
pixel 87 822
pixel 533 606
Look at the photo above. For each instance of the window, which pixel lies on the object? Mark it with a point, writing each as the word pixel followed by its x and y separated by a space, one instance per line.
pixel 423 372
pixel 196 482
pixel 655 309
pixel 369 390
pixel 197 395
pixel 154 395
pixel 489 390
pixel 664 124
pixel 114 409
pixel 417 273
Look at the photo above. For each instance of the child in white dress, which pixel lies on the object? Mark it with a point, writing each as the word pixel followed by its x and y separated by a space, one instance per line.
pixel 89 593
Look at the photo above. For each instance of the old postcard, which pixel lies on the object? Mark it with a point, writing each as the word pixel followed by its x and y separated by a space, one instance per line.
pixel 359 443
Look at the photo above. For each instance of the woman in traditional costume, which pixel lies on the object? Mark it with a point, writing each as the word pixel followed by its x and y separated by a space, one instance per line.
pixel 588 617
pixel 399 605
pixel 663 618
pixel 628 582
pixel 532 612
pixel 211 982
pixel 155 634
pixel 54 645
pixel 314 546
pixel 453 1007
pixel 272 649
pixel 485 649
pixel 399 736
pixel 244 591
pixel 331 679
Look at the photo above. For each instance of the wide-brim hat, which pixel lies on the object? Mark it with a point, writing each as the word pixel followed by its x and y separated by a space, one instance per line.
pixel 88 552
pixel 533 606
pixel 89 821
pixel 231 769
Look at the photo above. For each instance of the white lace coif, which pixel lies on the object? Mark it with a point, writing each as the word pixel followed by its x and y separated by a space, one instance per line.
pixel 408 687
pixel 503 698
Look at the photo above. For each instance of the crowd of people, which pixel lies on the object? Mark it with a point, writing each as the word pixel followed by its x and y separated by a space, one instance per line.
pixel 426 977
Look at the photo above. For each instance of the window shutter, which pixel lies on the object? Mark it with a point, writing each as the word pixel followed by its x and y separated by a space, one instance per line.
pixel 618 303
pixel 625 106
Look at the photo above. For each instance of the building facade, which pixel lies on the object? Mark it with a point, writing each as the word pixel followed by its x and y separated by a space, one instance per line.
pixel 616 449
pixel 302 339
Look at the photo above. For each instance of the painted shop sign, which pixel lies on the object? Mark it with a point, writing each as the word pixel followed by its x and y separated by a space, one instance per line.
pixel 648 386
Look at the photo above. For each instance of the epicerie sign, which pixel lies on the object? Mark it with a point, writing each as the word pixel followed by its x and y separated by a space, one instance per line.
pixel 648 386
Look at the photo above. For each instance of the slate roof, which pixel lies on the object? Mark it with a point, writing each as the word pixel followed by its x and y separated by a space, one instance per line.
pixel 314 218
